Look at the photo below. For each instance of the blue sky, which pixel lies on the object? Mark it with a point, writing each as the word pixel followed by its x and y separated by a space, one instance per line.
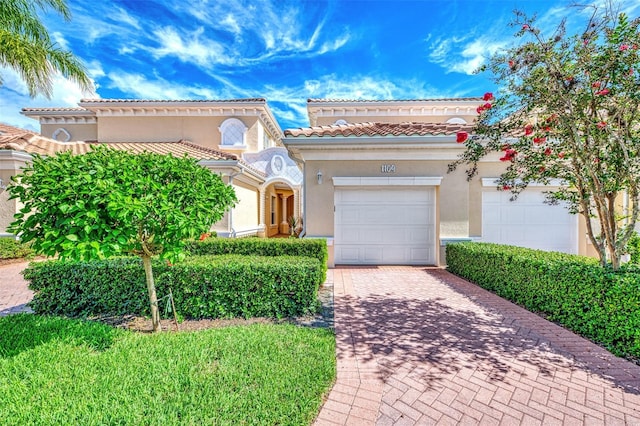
pixel 284 51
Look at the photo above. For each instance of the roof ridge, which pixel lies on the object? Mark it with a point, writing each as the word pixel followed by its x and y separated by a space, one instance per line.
pixel 336 100
pixel 133 100
pixel 211 150
pixel 380 129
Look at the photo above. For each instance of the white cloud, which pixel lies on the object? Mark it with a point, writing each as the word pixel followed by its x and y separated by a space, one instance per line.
pixel 121 16
pixel 268 31
pixel 289 102
pixel 190 47
pixel 59 39
pixel 14 96
pixel 464 54
pixel 140 86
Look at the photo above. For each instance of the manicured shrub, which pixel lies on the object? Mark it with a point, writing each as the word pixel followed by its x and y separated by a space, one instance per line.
pixel 574 291
pixel 312 247
pixel 12 249
pixel 633 248
pixel 203 287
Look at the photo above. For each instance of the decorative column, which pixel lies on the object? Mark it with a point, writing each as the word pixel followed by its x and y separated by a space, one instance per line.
pixel 284 225
pixel 296 203
pixel 262 212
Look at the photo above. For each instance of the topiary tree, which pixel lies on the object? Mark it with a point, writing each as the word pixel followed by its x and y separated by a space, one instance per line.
pixel 568 108
pixel 108 202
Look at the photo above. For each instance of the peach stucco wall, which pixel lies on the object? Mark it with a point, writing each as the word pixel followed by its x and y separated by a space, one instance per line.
pixel 78 132
pixel 200 130
pixel 453 207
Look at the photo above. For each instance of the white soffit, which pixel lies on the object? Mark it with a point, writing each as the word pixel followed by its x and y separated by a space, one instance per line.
pixel 387 181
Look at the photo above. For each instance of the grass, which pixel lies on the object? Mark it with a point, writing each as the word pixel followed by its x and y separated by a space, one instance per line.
pixel 59 371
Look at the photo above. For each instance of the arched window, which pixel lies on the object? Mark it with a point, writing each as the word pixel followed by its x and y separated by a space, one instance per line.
pixel 456 120
pixel 233 132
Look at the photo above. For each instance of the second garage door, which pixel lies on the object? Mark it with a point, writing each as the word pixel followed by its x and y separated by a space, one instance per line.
pixel 382 225
pixel 528 221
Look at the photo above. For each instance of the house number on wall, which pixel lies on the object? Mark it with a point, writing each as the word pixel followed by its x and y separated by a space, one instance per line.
pixel 388 168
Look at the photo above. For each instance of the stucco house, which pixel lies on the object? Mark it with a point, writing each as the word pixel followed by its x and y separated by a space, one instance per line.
pixel 376 185
pixel 369 176
pixel 240 139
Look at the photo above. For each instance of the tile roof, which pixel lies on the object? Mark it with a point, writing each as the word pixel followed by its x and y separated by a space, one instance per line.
pixel 380 129
pixel 56 109
pixel 14 138
pixel 318 100
pixel 99 100
pixel 177 149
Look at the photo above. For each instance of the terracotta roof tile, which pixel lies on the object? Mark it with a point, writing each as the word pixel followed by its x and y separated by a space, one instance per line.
pixel 317 100
pixel 380 129
pixel 57 109
pixel 17 139
pixel 177 149
pixel 111 101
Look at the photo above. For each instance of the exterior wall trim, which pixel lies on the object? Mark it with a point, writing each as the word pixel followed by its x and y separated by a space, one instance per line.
pixel 387 181
pixel 553 183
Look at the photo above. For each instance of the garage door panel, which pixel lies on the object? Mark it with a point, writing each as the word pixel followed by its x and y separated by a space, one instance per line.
pixel 528 221
pixel 385 226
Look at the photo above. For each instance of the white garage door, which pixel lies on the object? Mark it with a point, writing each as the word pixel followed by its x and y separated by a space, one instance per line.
pixel 382 225
pixel 528 221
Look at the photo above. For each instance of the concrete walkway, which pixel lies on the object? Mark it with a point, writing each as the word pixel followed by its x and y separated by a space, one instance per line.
pixel 420 346
pixel 14 293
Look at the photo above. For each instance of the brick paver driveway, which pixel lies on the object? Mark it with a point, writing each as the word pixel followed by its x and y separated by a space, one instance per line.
pixel 420 346
pixel 14 293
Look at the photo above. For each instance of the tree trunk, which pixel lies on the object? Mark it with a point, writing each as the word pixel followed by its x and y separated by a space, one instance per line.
pixel 153 299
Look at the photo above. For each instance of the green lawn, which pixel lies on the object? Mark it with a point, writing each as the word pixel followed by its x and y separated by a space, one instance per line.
pixel 57 371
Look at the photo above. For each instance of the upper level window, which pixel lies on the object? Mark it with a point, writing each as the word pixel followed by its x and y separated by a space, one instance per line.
pixel 340 122
pixel 233 132
pixel 456 120
pixel 61 134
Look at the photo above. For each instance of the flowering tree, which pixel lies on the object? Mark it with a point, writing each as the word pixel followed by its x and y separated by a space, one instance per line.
pixel 107 203
pixel 568 109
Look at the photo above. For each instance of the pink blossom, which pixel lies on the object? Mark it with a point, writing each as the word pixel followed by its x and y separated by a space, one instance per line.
pixel 509 155
pixel 561 155
pixel 525 27
pixel 547 152
pixel 461 137
pixel 624 47
pixel 506 188
pixel 487 96
pixel 602 92
pixel 528 130
pixel 539 140
pixel 601 125
pixel 596 84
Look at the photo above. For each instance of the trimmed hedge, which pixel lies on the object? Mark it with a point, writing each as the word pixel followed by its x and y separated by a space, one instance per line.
pixel 203 286
pixel 12 249
pixel 310 247
pixel 574 291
